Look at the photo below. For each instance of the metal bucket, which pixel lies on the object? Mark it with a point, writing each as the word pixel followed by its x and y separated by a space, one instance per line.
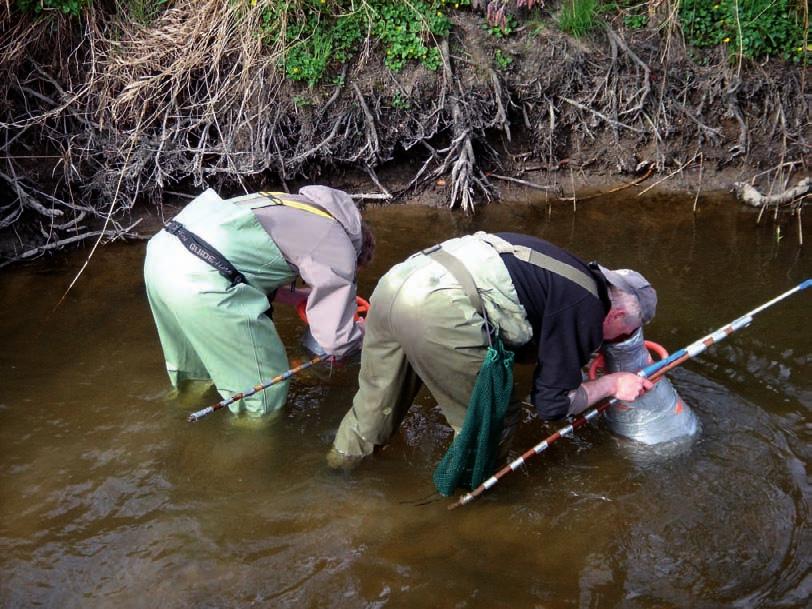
pixel 310 343
pixel 659 415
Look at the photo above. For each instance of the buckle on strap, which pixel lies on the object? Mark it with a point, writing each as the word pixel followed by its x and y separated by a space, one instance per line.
pixel 497 243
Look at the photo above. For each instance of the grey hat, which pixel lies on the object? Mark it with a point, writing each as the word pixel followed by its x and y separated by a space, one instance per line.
pixel 634 283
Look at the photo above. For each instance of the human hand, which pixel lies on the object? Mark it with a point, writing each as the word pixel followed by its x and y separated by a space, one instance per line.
pixel 361 308
pixel 629 387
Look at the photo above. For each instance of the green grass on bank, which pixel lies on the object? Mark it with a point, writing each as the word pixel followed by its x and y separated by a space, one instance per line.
pixel 578 17
pixel 752 28
pixel 320 34
pixel 317 37
pixel 46 7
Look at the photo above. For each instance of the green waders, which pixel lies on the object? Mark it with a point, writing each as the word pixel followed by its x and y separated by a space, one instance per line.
pixel 208 328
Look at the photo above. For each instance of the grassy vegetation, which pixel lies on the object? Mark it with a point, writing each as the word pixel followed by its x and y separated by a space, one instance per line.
pixel 321 34
pixel 578 17
pixel 754 29
pixel 751 28
pixel 68 7
pixel 317 36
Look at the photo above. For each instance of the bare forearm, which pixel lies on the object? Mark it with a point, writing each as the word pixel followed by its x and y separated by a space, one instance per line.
pixel 621 385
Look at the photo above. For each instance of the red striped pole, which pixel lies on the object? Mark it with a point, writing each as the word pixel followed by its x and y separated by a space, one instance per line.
pixel 652 372
pixel 196 416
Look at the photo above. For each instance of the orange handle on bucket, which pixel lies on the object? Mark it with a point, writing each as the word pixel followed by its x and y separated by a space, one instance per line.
pixel 600 361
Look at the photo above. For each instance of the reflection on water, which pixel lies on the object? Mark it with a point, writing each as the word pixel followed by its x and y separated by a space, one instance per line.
pixel 108 498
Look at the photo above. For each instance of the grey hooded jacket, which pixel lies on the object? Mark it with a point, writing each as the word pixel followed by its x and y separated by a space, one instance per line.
pixel 324 253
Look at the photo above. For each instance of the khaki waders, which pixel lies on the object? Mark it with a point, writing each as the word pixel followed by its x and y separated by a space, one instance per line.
pixel 423 328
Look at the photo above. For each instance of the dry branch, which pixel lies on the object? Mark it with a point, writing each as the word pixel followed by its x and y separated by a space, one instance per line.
pixel 748 195
pixel 53 245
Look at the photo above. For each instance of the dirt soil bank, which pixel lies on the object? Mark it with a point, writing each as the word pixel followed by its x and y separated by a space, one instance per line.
pixel 122 118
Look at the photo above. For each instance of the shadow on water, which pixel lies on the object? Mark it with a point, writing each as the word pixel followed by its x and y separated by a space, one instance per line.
pixel 108 498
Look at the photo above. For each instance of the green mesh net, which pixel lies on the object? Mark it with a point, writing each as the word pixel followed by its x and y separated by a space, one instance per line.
pixel 471 458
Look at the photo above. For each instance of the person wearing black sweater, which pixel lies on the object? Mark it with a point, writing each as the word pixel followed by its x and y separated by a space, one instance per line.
pixel 432 317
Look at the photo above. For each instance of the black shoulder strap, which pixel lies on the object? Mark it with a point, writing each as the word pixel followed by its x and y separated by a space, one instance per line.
pixel 206 252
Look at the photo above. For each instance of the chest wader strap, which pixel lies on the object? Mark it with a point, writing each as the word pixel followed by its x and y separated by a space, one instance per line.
pixel 289 201
pixel 274 200
pixel 543 261
pixel 206 252
pixel 458 270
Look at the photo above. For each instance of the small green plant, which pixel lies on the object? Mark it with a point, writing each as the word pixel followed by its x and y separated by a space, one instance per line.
pixel 752 28
pixel 503 60
pixel 635 22
pixel 578 17
pixel 399 102
pixel 68 7
pixel 302 101
pixel 502 28
pixel 401 27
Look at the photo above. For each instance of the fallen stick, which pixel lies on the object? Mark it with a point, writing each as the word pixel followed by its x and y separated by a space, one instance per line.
pixel 748 195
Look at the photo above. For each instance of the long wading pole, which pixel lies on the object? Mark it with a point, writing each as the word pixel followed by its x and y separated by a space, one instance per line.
pixel 196 416
pixel 652 372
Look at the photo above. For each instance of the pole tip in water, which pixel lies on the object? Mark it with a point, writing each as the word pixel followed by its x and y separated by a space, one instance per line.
pixel 461 501
pixel 806 284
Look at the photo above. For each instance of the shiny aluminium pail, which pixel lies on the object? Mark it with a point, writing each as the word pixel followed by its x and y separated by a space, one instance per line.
pixel 657 416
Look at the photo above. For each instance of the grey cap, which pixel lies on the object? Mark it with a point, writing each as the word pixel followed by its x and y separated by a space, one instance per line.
pixel 634 283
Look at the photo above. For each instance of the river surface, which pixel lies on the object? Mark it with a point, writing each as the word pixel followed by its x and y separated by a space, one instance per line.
pixel 109 498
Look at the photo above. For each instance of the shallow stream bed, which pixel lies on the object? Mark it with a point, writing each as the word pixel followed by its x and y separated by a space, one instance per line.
pixel 109 498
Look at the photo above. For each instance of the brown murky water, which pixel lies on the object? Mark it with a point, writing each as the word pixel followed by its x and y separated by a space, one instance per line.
pixel 108 498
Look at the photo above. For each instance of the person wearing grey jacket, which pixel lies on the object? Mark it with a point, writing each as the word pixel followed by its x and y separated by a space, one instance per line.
pixel 212 273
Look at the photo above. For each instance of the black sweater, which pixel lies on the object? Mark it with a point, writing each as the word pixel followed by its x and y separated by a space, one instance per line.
pixel 567 322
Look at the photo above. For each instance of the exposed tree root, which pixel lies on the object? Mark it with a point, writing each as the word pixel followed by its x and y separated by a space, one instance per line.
pixel 111 235
pixel 122 114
